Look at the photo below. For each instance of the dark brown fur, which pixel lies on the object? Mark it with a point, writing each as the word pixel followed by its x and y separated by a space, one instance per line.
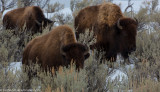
pixel 57 48
pixel 110 38
pixel 32 17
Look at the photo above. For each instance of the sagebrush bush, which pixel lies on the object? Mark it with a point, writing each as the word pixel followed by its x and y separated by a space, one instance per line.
pixel 8 46
pixel 147 57
pixel 95 76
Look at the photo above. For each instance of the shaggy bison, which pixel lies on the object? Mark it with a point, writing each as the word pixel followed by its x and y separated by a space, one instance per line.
pixel 31 17
pixel 57 48
pixel 114 32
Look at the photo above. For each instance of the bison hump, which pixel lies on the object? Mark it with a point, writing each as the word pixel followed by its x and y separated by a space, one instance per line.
pixel 109 14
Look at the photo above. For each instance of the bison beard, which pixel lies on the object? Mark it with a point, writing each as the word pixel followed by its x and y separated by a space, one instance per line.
pixel 114 32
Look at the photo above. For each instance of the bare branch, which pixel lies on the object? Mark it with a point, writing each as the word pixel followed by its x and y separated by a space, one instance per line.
pixel 42 3
pixel 54 8
pixel 129 6
pixel 6 4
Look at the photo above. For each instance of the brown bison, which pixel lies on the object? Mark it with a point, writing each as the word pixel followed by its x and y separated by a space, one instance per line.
pixel 114 32
pixel 57 48
pixel 31 17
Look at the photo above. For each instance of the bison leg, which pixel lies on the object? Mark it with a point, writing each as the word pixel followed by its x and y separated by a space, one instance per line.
pixel 111 57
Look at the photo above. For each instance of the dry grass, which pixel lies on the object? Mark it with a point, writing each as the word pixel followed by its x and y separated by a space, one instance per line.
pixel 144 77
pixel 93 76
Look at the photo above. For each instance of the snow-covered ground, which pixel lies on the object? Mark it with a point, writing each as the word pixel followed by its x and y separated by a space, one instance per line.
pixel 6 12
pixel 65 11
pixel 117 73
pixel 15 66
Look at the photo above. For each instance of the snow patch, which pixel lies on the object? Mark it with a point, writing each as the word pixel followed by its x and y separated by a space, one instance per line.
pixel 15 66
pixel 117 74
pixel 49 15
pixel 6 12
pixel 65 11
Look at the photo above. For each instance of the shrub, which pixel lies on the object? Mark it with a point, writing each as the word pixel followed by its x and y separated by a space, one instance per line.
pixel 96 76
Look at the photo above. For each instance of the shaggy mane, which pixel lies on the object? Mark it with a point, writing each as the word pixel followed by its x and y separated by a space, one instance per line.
pixel 109 14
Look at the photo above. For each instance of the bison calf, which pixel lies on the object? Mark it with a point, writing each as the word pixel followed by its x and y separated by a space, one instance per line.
pixel 57 48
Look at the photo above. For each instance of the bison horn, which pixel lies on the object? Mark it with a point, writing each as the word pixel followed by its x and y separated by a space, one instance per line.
pixel 118 25
pixel 37 22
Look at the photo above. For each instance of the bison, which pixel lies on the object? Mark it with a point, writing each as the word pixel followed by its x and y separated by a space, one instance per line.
pixel 31 17
pixel 114 32
pixel 57 48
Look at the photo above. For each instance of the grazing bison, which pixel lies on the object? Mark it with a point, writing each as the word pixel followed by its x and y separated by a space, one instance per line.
pixel 57 48
pixel 114 32
pixel 31 17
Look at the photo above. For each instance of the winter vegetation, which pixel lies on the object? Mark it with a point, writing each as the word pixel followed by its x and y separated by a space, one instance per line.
pixel 142 75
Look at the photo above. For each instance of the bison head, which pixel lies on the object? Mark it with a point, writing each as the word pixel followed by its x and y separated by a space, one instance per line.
pixel 75 52
pixel 44 22
pixel 127 28
pixel 48 22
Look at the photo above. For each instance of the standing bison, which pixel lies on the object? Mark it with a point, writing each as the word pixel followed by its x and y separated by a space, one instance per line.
pixel 57 48
pixel 114 32
pixel 30 17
